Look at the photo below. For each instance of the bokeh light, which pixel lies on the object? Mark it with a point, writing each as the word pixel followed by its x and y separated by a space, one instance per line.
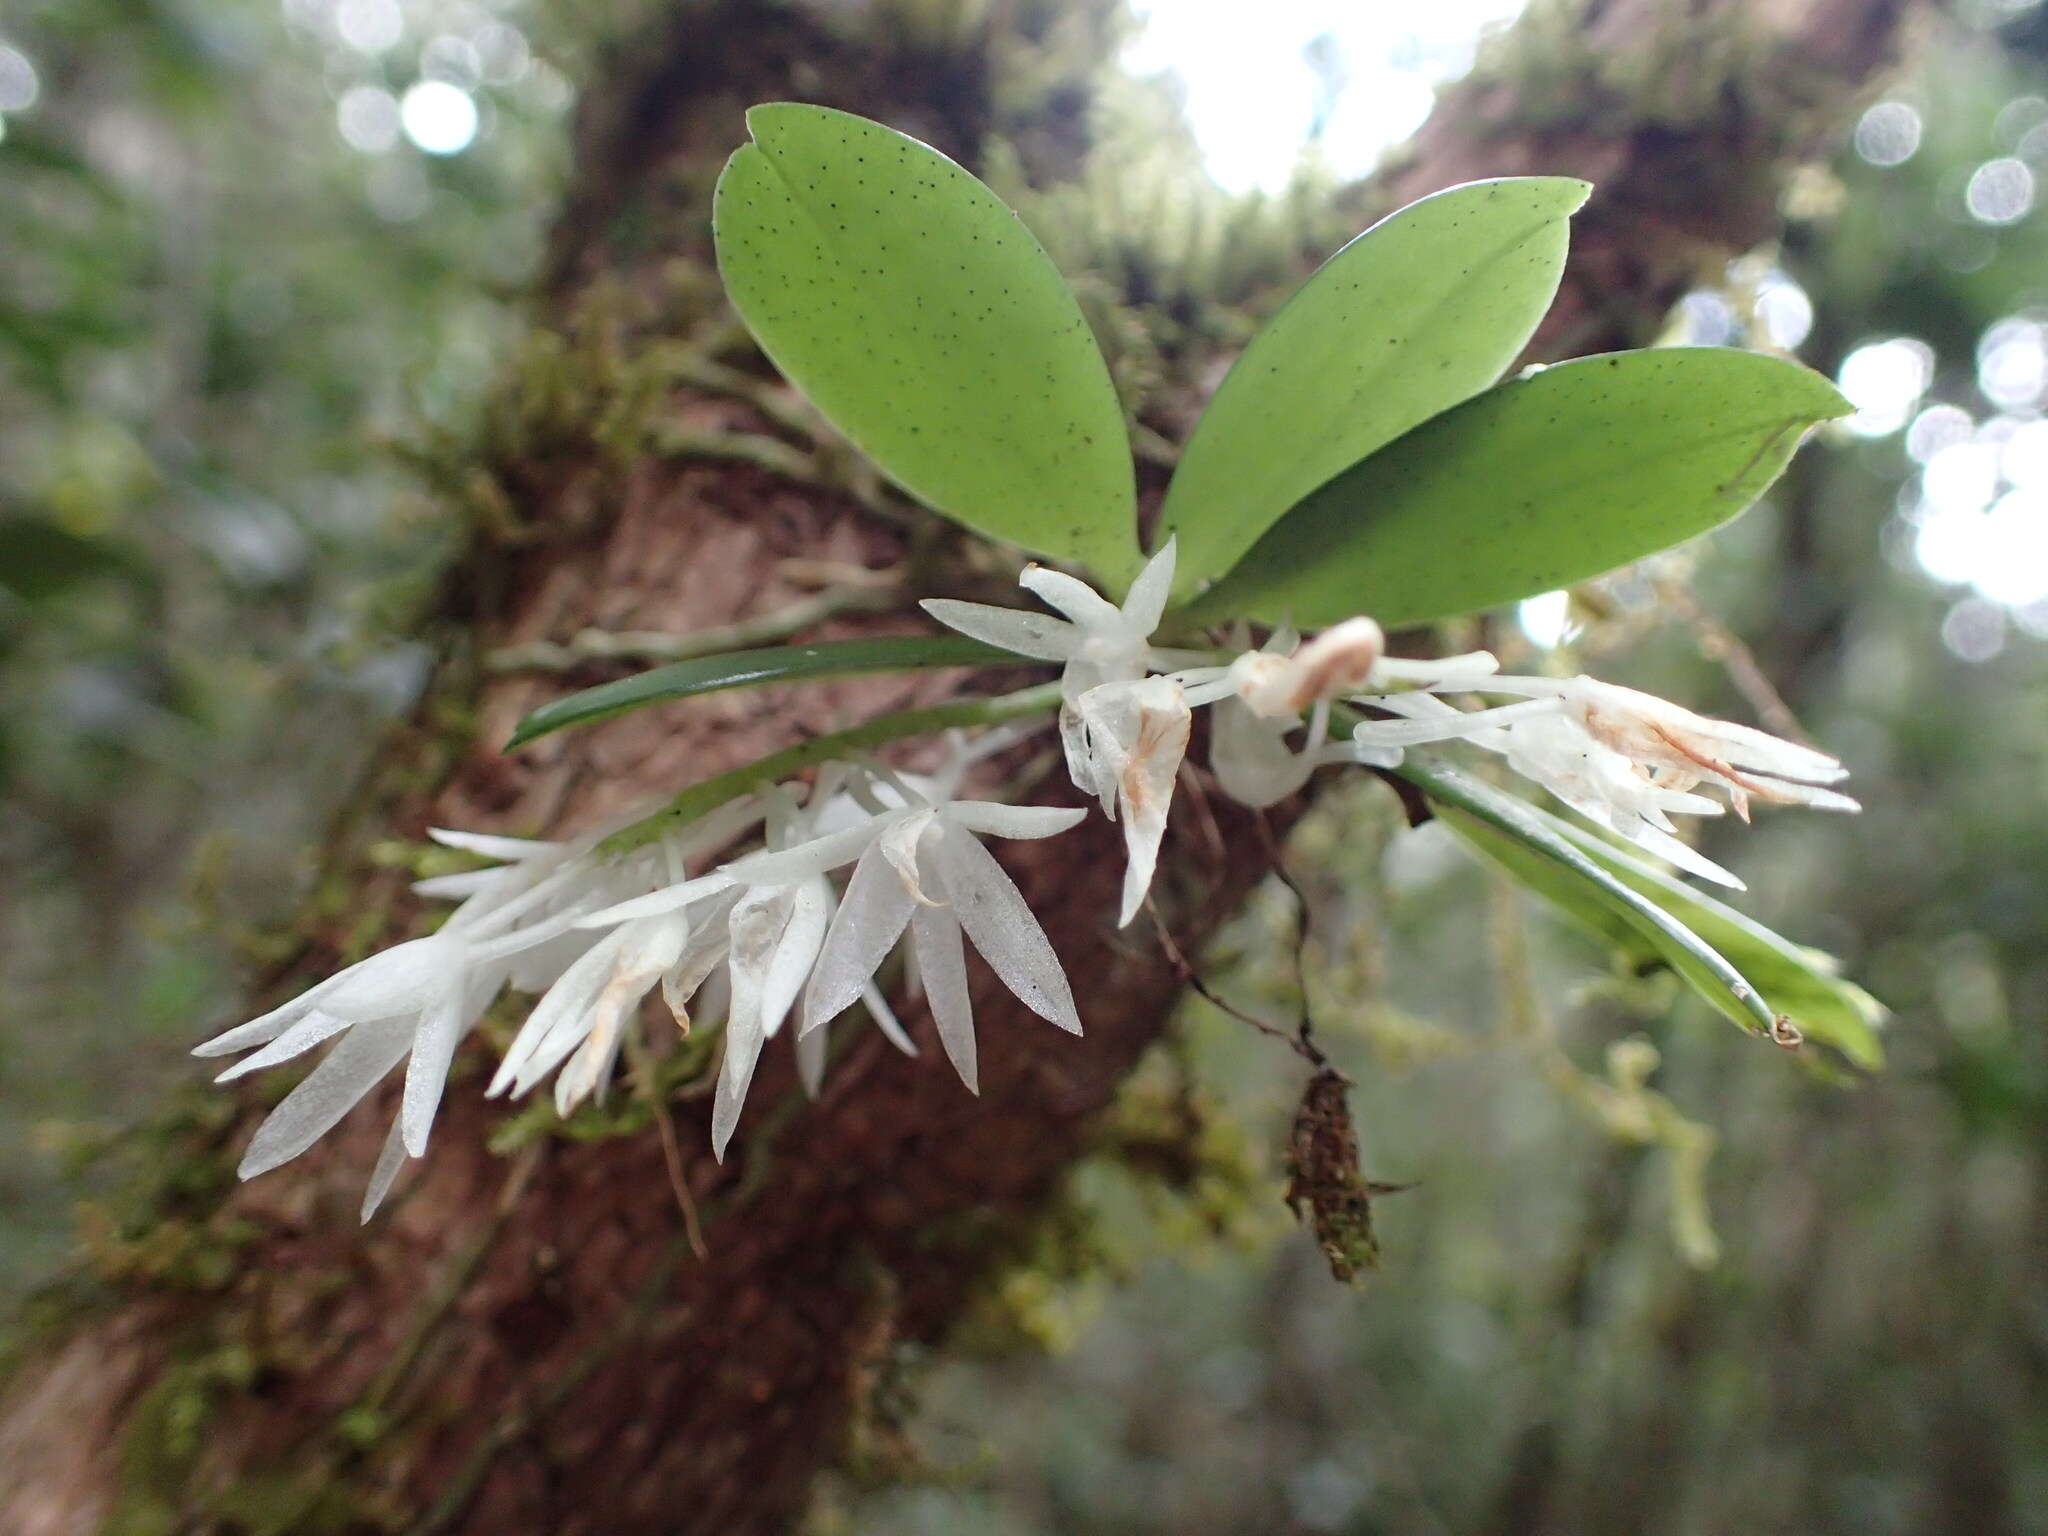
pixel 1888 134
pixel 2000 191
pixel 438 117
pixel 19 86
pixel 1783 312
pixel 367 117
pixel 2012 362
pixel 1884 380
pixel 370 27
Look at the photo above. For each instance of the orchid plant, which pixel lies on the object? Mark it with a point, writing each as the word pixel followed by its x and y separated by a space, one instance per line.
pixel 1362 467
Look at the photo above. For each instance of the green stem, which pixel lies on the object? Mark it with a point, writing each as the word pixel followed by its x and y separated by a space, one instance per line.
pixel 959 714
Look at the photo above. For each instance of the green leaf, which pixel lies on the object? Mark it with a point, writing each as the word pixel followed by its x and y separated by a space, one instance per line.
pixel 1803 984
pixel 916 311
pixel 1518 837
pixel 747 669
pixel 1742 969
pixel 1423 310
pixel 1535 484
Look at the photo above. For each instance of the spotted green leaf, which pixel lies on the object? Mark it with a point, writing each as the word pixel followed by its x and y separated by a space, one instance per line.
pixel 751 669
pixel 921 317
pixel 1550 479
pixel 1423 310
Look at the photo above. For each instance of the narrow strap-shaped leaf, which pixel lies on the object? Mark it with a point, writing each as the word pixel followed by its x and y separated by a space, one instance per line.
pixel 747 669
pixel 1423 310
pixel 916 311
pixel 1803 984
pixel 1538 483
pixel 1515 835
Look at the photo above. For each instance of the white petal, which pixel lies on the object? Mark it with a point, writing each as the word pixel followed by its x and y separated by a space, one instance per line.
pixel 758 921
pixel 1074 598
pixel 671 898
pixel 993 912
pixel 388 1163
pixel 1808 794
pixel 1251 759
pixel 1145 603
pixel 735 1073
pixel 349 1071
pixel 1084 767
pixel 558 1022
pixel 1457 673
pixel 942 961
pixel 538 968
pixel 1448 725
pixel 802 861
pixel 1145 795
pixel 268 1026
pixel 483 844
pixel 810 914
pixel 885 1020
pixel 545 894
pixel 1037 635
pixel 1683 854
pixel 899 847
pixel 812 1050
pixel 302 1036
pixel 681 981
pixel 589 1071
pixel 457 887
pixel 426 1075
pixel 871 917
pixel 993 819
pixel 1139 733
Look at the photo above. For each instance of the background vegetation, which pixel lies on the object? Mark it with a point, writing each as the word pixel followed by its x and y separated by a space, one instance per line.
pixel 1653 1278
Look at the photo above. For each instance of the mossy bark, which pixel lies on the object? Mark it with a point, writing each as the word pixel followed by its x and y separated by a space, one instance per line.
pixel 526 1341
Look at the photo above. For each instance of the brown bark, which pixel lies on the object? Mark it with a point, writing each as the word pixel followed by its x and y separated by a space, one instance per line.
pixel 527 1343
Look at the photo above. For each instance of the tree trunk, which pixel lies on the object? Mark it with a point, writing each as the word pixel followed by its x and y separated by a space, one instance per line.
pixel 525 1341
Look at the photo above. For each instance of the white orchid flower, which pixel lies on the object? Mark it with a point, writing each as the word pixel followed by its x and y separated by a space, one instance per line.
pixel 1097 641
pixel 413 1003
pixel 515 923
pixel 925 870
pixel 1625 760
pixel 1685 749
pixel 1136 734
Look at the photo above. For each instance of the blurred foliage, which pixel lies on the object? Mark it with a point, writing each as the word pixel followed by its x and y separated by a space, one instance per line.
pixel 229 280
pixel 1653 1277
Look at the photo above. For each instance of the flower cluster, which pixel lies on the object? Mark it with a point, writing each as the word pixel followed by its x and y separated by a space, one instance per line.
pixel 768 937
